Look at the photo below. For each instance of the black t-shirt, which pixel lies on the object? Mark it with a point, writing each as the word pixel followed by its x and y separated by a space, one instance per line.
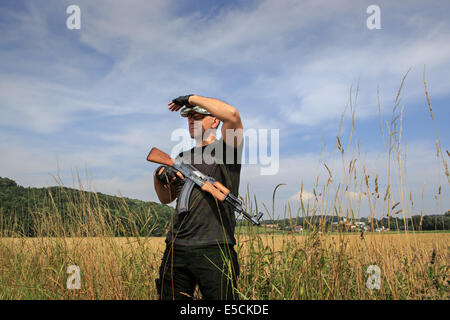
pixel 209 221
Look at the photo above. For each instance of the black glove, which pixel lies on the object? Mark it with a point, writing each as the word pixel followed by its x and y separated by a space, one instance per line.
pixel 182 100
pixel 166 175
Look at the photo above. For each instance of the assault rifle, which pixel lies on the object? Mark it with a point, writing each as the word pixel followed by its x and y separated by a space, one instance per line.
pixel 206 183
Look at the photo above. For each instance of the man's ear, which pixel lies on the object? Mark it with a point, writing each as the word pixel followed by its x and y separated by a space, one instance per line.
pixel 216 123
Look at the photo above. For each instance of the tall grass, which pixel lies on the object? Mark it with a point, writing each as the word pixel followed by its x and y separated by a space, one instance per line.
pixel 274 265
pixel 324 266
pixel 111 268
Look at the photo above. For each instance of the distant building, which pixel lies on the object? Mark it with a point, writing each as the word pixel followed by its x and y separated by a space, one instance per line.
pixel 344 224
pixel 273 226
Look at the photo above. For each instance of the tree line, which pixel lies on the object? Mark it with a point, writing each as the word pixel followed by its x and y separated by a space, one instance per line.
pixel 59 210
pixel 424 222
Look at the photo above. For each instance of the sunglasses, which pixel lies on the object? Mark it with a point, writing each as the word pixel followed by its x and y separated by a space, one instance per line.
pixel 196 116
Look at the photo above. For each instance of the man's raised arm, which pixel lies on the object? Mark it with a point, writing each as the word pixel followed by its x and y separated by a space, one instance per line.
pixel 221 110
pixel 224 112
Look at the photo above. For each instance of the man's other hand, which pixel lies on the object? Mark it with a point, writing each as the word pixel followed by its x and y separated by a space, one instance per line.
pixel 177 103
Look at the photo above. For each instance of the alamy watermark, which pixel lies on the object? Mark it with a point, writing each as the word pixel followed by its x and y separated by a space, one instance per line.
pixel 74 19
pixel 374 20
pixel 374 279
pixel 73 22
pixel 258 147
pixel 74 278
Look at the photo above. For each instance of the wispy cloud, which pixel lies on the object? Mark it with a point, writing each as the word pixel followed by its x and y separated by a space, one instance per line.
pixel 97 97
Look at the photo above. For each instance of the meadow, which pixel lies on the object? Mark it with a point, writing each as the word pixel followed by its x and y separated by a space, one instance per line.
pixel 273 266
pixel 408 264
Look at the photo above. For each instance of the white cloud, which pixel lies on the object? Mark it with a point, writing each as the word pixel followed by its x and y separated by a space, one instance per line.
pixel 420 169
pixel 156 55
pixel 302 196
pixel 285 65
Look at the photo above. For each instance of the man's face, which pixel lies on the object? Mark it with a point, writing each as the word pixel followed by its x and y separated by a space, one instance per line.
pixel 199 124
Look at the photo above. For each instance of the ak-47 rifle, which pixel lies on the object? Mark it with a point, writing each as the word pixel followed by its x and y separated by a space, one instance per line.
pixel 194 177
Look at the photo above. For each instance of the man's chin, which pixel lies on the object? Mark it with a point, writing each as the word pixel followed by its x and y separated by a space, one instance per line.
pixel 194 136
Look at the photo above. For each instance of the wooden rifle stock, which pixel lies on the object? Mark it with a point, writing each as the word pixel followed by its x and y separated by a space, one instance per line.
pixel 160 157
pixel 214 190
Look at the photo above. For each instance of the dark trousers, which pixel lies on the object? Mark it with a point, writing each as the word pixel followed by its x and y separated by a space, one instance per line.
pixel 213 268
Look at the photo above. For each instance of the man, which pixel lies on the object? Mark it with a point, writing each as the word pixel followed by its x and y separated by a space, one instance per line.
pixel 200 244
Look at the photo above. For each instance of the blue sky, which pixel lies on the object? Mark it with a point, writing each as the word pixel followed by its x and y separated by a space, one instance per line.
pixel 95 99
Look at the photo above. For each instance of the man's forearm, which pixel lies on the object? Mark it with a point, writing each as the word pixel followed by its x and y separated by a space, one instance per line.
pixel 166 193
pixel 219 109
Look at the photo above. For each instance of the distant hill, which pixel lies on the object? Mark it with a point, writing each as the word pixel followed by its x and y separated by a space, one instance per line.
pixel 52 210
